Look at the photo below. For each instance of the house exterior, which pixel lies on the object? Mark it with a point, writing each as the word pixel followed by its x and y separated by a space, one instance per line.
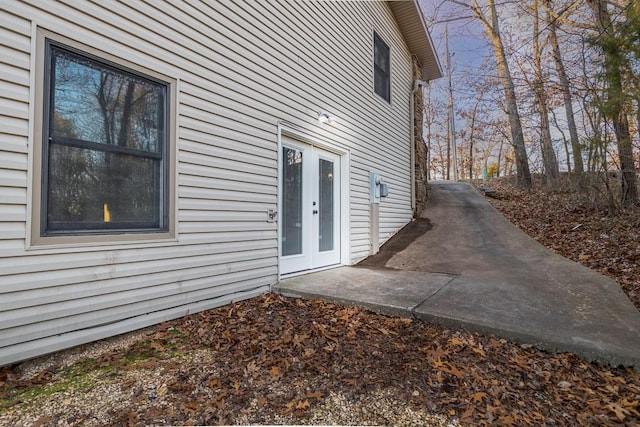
pixel 162 158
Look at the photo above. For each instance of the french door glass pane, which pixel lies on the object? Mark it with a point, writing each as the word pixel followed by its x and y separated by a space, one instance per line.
pixel 291 201
pixel 325 188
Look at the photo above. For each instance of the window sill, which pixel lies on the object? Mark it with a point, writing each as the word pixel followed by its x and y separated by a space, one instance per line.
pixel 100 242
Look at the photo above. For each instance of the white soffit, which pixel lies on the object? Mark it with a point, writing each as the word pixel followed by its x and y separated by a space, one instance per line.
pixel 416 34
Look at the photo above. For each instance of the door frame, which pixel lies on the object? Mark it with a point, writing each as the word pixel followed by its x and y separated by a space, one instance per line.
pixel 305 137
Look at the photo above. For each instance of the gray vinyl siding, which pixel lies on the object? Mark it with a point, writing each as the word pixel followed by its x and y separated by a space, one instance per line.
pixel 242 68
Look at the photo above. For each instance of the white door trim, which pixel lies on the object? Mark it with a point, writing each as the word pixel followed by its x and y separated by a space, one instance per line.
pixel 345 208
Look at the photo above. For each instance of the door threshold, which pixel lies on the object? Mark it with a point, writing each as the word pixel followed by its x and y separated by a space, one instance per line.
pixel 309 271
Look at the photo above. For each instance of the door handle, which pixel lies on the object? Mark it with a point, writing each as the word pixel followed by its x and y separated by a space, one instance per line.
pixel 315 212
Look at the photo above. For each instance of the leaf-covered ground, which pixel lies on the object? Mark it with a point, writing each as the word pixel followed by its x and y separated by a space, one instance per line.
pixel 272 360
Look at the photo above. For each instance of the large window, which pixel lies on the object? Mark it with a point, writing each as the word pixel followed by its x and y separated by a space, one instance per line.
pixel 381 68
pixel 105 147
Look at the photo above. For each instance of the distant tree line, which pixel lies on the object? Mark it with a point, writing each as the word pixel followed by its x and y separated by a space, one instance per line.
pixel 561 93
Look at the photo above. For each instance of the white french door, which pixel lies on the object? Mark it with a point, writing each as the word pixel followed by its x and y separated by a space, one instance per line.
pixel 309 207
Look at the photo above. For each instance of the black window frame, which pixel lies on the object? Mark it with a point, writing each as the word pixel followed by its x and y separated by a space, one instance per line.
pixel 162 170
pixel 381 72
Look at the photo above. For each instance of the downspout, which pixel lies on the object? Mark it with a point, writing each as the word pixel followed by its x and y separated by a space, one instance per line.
pixel 416 86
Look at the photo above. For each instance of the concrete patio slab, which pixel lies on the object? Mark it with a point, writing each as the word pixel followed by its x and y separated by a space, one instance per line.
pixel 477 270
pixel 396 293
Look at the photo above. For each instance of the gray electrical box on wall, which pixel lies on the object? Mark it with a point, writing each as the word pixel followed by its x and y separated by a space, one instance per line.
pixel 384 190
pixel 377 188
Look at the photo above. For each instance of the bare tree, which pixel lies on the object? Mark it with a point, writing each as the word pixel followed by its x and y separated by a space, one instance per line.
pixel 492 27
pixel 565 88
pixel 548 154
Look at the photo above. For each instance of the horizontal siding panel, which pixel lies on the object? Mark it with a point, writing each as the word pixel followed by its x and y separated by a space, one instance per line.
pixel 369 123
pixel 230 139
pixel 225 73
pixel 39 262
pixel 15 109
pixel 13 91
pixel 16 41
pixel 57 307
pixel 222 184
pixel 109 315
pixel 107 32
pixel 196 164
pixel 357 59
pixel 223 107
pixel 12 160
pixel 393 173
pixel 236 126
pixel 313 60
pixel 12 178
pixel 223 205
pixel 232 261
pixel 12 230
pixel 235 70
pixel 12 213
pixel 254 90
pixel 260 103
pixel 12 195
pixel 231 150
pixel 50 344
pixel 217 163
pixel 240 236
pixel 10 248
pixel 13 143
pixel 15 126
pixel 221 216
pixel 213 194
pixel 214 227
pixel 214 276
pixel 14 75
pixel 359 252
pixel 234 55
pixel 15 23
pixel 17 58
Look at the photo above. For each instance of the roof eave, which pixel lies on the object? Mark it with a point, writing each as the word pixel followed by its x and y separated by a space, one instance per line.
pixel 414 29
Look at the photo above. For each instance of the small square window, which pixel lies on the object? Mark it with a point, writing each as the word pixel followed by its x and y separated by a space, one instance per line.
pixel 381 68
pixel 105 147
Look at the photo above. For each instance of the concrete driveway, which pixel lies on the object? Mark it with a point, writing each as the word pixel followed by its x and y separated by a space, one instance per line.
pixel 475 269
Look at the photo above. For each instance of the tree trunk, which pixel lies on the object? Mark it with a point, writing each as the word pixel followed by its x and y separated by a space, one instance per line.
pixel 125 119
pixel 448 140
pixel 565 141
pixel 517 136
pixel 617 99
pixel 578 165
pixel 549 158
pixel 472 127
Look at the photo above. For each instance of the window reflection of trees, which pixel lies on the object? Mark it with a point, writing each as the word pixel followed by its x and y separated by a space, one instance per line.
pixel 106 106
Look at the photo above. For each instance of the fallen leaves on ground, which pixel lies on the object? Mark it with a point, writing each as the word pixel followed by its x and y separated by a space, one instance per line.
pixel 274 360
